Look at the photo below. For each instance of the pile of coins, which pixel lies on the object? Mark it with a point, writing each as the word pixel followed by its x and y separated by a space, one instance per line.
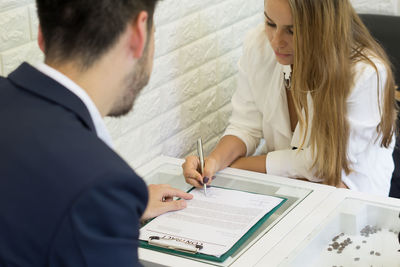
pixel 360 248
pixel 339 246
pixel 369 230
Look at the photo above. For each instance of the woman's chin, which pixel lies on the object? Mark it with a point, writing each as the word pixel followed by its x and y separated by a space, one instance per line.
pixel 285 61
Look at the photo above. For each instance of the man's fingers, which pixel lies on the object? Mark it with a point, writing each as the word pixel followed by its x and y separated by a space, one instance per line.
pixel 174 192
pixel 161 200
pixel 182 194
pixel 174 205
pixel 164 207
pixel 168 199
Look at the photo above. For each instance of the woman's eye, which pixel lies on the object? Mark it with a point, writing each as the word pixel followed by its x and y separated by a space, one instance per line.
pixel 269 24
pixel 290 31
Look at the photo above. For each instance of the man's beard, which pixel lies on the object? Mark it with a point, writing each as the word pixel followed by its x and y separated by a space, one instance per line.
pixel 134 82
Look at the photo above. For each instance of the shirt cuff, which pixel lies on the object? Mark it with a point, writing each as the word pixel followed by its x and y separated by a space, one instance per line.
pixel 291 163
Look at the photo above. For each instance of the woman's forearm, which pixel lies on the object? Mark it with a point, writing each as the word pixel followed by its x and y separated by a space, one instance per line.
pixel 253 163
pixel 228 149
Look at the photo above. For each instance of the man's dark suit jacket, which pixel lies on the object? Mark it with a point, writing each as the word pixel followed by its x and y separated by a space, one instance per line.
pixel 66 198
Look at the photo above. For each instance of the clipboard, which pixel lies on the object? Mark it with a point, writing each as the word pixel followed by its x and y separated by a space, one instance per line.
pixel 177 246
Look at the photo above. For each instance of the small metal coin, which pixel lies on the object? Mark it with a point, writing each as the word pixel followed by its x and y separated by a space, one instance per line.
pixel 357 247
pixel 372 252
pixel 377 253
pixel 356 259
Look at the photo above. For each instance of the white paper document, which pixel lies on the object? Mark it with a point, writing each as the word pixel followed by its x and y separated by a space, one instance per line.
pixel 216 221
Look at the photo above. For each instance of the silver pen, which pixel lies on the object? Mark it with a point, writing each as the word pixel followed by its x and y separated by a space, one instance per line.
pixel 201 157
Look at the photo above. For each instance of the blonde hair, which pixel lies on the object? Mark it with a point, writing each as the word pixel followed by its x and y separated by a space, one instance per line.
pixel 329 38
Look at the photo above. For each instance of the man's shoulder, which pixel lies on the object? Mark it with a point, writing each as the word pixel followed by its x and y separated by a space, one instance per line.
pixel 78 151
pixel 46 139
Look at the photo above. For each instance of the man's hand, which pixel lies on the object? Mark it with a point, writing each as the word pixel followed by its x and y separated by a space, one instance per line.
pixel 161 200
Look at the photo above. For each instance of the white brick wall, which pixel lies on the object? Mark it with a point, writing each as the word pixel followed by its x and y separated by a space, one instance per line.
pixel 198 43
pixel 390 7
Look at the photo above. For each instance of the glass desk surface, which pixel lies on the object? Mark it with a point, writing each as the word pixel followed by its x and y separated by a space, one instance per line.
pixel 349 229
pixel 168 171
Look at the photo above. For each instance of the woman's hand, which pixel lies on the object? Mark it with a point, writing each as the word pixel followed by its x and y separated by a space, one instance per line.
pixel 228 149
pixel 191 170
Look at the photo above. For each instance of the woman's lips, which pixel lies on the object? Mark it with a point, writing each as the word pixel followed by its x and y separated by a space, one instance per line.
pixel 282 55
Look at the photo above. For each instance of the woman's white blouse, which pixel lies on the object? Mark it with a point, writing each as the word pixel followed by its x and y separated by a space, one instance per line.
pixel 260 111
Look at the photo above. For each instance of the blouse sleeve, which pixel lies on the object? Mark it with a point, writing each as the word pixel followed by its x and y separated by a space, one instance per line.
pixel 291 163
pixel 246 120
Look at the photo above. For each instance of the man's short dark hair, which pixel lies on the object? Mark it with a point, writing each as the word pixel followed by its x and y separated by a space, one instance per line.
pixel 85 29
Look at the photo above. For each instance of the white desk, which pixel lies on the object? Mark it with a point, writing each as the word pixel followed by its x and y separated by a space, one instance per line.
pixel 303 199
pixel 347 212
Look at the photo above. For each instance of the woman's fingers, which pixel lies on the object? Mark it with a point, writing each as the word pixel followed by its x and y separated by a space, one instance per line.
pixel 190 171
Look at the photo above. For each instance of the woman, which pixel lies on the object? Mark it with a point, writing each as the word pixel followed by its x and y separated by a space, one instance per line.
pixel 331 122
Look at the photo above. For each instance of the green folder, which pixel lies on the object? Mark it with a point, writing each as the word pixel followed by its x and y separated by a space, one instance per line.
pixel 223 257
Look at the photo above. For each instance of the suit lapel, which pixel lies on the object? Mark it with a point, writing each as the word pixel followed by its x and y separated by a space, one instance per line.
pixel 30 79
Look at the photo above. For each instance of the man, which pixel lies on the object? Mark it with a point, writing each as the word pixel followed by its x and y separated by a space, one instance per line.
pixel 66 198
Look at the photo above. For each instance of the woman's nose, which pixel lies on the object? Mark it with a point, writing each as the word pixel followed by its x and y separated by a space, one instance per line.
pixel 278 40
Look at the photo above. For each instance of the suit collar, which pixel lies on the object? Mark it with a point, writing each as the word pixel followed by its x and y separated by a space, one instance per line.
pixel 30 79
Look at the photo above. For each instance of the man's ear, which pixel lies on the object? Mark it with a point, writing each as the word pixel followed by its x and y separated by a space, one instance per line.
pixel 139 34
pixel 40 39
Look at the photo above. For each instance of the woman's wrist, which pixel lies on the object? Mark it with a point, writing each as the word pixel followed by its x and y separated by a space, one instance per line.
pixel 215 161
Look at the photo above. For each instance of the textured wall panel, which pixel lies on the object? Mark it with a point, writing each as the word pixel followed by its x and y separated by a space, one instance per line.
pixel 198 43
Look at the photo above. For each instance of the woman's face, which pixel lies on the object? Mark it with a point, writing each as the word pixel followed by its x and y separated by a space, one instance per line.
pixel 279 28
